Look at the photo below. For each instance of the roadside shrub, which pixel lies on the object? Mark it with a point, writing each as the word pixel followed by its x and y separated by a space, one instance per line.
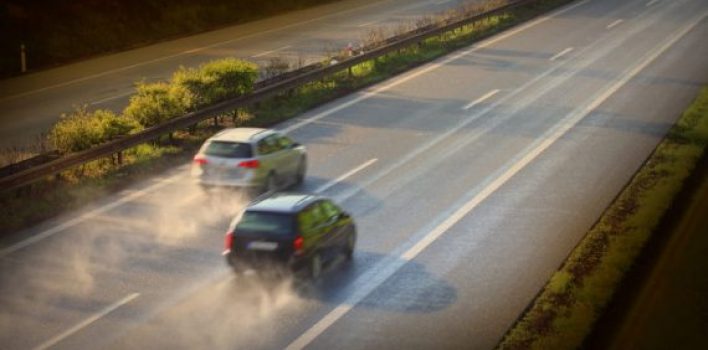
pixel 75 132
pixel 113 126
pixel 156 103
pixel 216 81
pixel 82 129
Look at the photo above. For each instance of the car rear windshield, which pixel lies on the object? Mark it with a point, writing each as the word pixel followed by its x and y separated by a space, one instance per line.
pixel 274 223
pixel 228 149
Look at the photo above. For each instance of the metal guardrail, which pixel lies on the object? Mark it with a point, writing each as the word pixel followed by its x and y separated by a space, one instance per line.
pixel 36 173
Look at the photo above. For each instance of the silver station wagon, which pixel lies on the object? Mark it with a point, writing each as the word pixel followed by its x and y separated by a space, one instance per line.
pixel 259 159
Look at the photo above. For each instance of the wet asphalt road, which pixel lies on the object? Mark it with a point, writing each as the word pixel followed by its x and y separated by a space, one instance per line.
pixel 470 179
pixel 31 104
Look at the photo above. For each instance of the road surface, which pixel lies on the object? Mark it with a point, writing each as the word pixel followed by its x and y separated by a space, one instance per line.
pixel 31 104
pixel 470 178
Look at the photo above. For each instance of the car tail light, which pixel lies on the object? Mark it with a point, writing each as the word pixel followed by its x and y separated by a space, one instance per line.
pixel 298 244
pixel 200 161
pixel 251 164
pixel 228 242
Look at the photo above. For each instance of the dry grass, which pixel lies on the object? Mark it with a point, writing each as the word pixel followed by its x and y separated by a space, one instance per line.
pixel 564 313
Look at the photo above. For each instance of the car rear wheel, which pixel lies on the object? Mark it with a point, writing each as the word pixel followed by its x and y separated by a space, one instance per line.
pixel 315 267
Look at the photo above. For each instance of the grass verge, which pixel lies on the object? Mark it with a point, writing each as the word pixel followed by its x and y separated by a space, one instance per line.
pixel 75 187
pixel 562 315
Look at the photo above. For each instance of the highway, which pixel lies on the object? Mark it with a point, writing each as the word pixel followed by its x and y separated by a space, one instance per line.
pixel 31 104
pixel 470 178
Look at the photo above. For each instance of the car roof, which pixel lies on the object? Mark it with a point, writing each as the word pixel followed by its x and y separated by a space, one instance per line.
pixel 240 134
pixel 284 202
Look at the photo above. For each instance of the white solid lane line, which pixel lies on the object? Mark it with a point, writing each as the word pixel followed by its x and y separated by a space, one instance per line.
pixel 111 98
pixel 614 24
pixel 297 125
pixel 133 195
pixel 344 176
pixel 553 135
pixel 414 74
pixel 159 59
pixel 560 54
pixel 481 99
pixel 51 342
pixel 73 222
pixel 271 51
pixel 367 24
pixel 652 2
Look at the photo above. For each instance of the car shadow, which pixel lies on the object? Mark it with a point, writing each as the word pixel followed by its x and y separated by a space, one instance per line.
pixel 393 284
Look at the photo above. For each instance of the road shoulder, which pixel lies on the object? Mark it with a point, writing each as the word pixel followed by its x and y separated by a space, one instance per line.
pixel 662 303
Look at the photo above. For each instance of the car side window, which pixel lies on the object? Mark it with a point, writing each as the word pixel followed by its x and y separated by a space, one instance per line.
pixel 311 218
pixel 262 147
pixel 330 210
pixel 306 220
pixel 285 142
pixel 318 214
pixel 268 145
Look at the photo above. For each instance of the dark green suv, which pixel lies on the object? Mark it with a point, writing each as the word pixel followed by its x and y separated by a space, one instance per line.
pixel 298 232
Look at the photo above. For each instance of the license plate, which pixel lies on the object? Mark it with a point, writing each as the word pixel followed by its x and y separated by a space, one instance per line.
pixel 267 246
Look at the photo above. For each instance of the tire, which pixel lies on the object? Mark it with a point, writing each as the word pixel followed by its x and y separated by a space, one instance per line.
pixel 349 246
pixel 301 169
pixel 315 268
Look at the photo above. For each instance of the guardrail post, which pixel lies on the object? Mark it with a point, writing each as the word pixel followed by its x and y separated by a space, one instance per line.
pixel 377 55
pixel 23 59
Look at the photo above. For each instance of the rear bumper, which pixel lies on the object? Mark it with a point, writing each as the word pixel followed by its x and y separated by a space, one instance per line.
pixel 227 183
pixel 240 264
pixel 248 179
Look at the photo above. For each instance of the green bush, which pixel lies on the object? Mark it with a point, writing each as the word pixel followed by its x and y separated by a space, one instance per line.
pixel 82 129
pixel 113 126
pixel 75 132
pixel 156 103
pixel 216 81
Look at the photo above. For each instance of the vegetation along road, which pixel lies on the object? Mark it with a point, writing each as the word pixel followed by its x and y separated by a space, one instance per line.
pixel 471 178
pixel 31 104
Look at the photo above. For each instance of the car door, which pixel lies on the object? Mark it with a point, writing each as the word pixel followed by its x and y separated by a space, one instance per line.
pixel 327 230
pixel 337 222
pixel 271 155
pixel 291 156
pixel 310 228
